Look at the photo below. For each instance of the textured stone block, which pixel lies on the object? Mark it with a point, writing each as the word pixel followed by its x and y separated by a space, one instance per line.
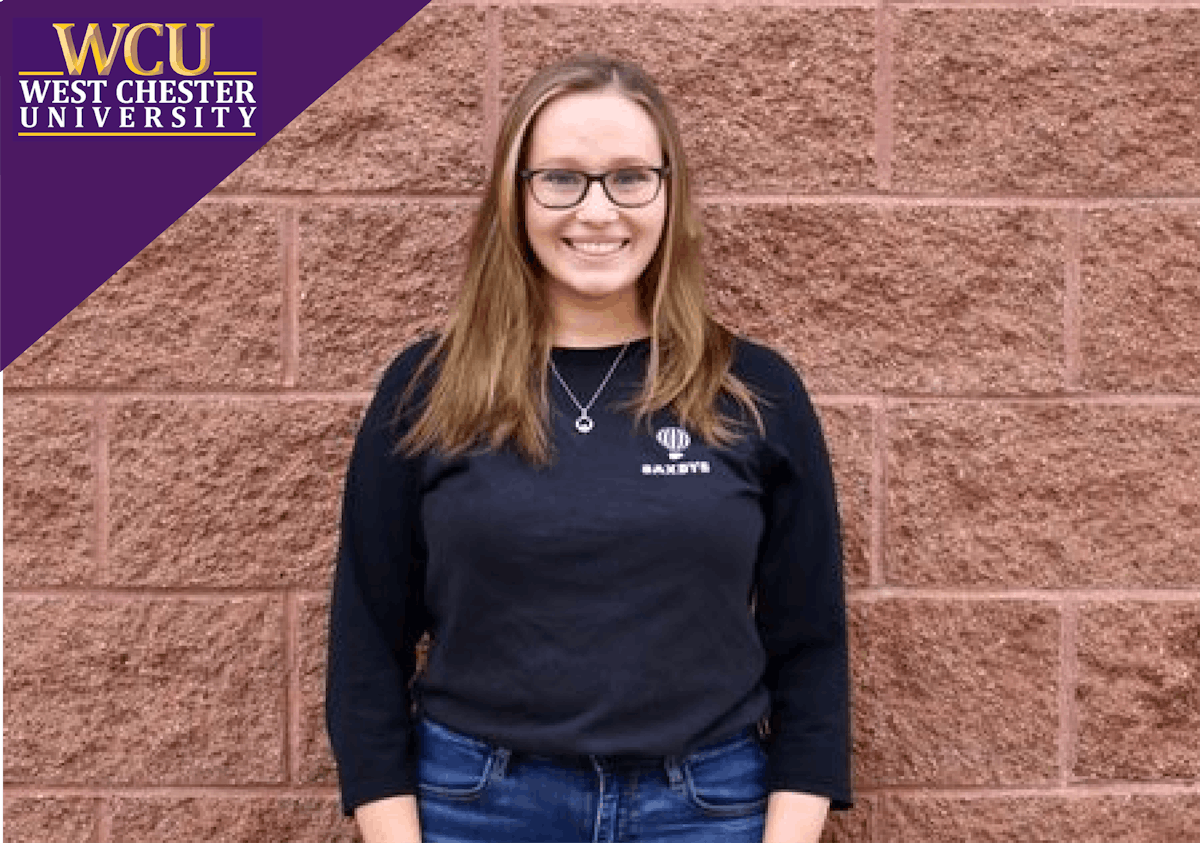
pixel 852 826
pixel 316 764
pixel 1141 299
pixel 199 306
pixel 224 494
pixel 1139 693
pixel 1043 496
pixel 235 819
pixel 50 819
pixel 1047 101
pixel 849 437
pixel 1078 819
pixel 768 99
pixel 49 491
pixel 885 298
pixel 954 693
pixel 374 277
pixel 151 692
pixel 408 117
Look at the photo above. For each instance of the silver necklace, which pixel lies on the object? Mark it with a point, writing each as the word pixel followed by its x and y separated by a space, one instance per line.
pixel 585 423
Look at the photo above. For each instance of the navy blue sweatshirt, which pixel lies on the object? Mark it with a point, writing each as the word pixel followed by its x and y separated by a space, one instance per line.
pixel 645 594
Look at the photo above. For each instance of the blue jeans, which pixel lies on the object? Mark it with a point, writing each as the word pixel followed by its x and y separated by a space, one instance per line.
pixel 475 792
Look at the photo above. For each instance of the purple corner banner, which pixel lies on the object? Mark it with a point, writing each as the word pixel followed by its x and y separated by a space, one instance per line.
pixel 99 164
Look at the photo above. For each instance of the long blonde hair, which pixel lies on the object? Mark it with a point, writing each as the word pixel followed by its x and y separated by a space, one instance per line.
pixel 490 363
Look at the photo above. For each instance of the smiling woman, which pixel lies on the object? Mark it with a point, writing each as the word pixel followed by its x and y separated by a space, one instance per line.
pixel 614 519
pixel 592 249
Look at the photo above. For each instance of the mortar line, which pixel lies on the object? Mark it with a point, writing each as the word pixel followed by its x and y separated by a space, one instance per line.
pixel 885 28
pixel 492 18
pixel 1047 789
pixel 1023 5
pixel 967 593
pixel 104 821
pixel 949 200
pixel 134 791
pixel 877 563
pixel 300 200
pixel 115 395
pixel 291 690
pixel 134 593
pixel 102 482
pixel 1068 678
pixel 686 4
pixel 1073 300
pixel 290 312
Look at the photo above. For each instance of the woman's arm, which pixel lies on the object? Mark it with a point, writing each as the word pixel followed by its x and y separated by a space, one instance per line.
pixel 377 612
pixel 800 603
pixel 391 820
pixel 792 817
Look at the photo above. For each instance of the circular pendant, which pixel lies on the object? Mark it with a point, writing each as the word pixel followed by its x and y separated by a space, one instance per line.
pixel 584 423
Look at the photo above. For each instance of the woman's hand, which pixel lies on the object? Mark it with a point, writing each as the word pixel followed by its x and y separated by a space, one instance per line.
pixel 391 820
pixel 794 817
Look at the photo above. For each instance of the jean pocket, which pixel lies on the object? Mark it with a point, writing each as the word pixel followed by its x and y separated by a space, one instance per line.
pixel 728 780
pixel 450 764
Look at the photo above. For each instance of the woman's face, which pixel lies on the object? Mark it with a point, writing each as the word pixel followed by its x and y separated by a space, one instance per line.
pixel 594 252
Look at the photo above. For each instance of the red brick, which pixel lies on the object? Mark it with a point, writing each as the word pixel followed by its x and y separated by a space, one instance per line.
pixel 1043 495
pixel 316 759
pixel 235 819
pixel 954 693
pixel 50 819
pixel 1141 299
pixel 1047 100
pixel 408 117
pixel 1076 818
pixel 199 306
pixel 849 438
pixel 164 691
pixel 885 298
pixel 49 492
pixel 1139 692
pixel 374 277
pixel 767 98
pixel 227 493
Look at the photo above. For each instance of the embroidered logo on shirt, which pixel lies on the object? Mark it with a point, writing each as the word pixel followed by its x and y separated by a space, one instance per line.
pixel 676 441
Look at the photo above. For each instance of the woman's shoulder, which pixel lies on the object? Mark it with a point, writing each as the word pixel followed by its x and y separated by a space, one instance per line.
pixel 405 365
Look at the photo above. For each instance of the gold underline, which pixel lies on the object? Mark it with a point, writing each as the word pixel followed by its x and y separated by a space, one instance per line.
pixel 39 73
pixel 235 73
pixel 135 134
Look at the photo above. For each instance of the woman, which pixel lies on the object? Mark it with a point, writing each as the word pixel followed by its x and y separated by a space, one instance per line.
pixel 615 520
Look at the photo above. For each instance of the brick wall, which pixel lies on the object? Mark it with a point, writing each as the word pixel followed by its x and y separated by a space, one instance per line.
pixel 974 228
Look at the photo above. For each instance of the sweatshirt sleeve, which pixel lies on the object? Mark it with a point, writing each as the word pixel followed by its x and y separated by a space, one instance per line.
pixel 377 614
pixel 800 601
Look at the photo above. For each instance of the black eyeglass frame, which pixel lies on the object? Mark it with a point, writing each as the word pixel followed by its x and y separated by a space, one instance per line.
pixel 662 172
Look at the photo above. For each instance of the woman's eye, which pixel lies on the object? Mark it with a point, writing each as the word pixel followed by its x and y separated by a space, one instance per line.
pixel 560 178
pixel 630 178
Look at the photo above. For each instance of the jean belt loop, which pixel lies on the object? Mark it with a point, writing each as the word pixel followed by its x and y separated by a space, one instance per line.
pixel 674 771
pixel 500 760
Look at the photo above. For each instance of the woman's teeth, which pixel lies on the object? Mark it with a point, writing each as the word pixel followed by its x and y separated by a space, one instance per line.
pixel 592 247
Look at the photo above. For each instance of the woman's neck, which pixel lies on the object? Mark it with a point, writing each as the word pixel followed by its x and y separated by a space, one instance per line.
pixel 597 328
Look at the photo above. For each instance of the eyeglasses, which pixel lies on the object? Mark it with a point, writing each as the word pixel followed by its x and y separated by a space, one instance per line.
pixel 628 187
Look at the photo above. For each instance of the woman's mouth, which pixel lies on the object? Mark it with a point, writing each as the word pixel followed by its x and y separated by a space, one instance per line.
pixel 592 247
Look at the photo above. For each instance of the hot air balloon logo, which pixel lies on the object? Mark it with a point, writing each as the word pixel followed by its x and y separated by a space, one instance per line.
pixel 675 440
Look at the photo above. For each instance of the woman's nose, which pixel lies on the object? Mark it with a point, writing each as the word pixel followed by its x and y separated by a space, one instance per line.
pixel 595 204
